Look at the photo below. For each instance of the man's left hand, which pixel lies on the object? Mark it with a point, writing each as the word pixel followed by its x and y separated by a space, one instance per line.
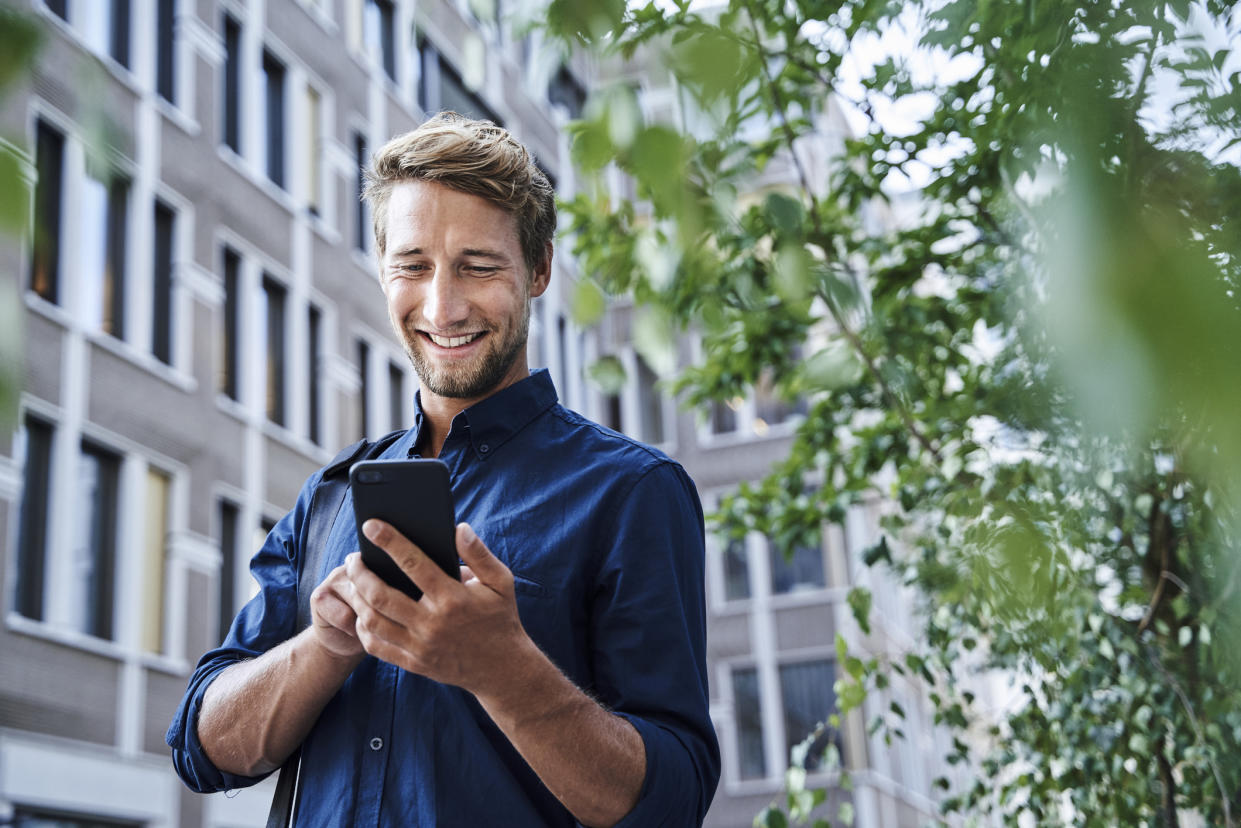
pixel 467 633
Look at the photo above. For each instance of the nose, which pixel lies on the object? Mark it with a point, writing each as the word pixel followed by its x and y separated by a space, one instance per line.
pixel 445 305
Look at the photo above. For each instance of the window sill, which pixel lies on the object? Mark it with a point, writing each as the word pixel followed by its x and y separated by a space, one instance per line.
pixel 731 607
pixel 364 261
pixel 50 311
pixel 160 370
pixel 294 441
pixel 177 116
pixel 318 14
pixel 808 597
pixel 70 638
pixel 260 180
pixel 742 437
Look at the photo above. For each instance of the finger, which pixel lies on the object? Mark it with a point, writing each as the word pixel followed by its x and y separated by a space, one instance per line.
pixel 367 591
pixel 413 561
pixel 466 574
pixel 478 558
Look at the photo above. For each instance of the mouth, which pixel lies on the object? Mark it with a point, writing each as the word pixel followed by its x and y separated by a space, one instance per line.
pixel 453 341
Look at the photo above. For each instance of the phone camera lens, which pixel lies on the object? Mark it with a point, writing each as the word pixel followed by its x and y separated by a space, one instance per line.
pixel 370 477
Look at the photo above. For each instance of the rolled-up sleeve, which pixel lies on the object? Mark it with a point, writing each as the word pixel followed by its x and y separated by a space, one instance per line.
pixel 648 636
pixel 269 618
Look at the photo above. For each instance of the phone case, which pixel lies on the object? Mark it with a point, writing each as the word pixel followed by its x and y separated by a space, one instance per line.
pixel 416 498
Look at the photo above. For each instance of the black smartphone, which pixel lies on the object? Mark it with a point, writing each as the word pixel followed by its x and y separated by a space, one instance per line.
pixel 415 497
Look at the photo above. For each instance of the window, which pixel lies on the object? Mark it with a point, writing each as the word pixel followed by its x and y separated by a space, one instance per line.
pixel 91 579
pixel 378 34
pixel 231 116
pixel 769 408
pixel 161 333
pixel 313 142
pixel 650 405
pixel 105 27
pixel 807 693
pixel 314 388
pixel 24 817
pixel 273 109
pixel 273 316
pixel 736 572
pixel 32 526
pixel 440 86
pixel 57 7
pixel 751 758
pixel 155 536
pixel 103 207
pixel 567 92
pixel 229 521
pixel 562 353
pixel 45 258
pixel 800 572
pixel 612 411
pixel 724 416
pixel 359 183
pixel 165 32
pixel 396 396
pixel 364 367
pixel 229 340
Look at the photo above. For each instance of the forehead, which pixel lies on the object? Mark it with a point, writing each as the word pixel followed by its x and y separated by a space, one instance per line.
pixel 429 215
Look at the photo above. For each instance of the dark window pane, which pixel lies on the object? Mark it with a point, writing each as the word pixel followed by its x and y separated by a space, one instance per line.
pixel 273 85
pixel 114 275
pixel 119 45
pixel 274 305
pixel 229 365
pixel 32 528
pixel 359 209
pixel 364 363
pixel 58 8
pixel 165 27
pixel 802 571
pixel 37 818
pixel 380 33
pixel 45 259
pixel 612 411
pixel 736 573
pixel 566 91
pixel 396 398
pixel 232 84
pixel 161 340
pixel 807 693
pixel 650 405
pixel 751 759
pixel 455 96
pixel 723 418
pixel 94 549
pixel 314 386
pixel 229 517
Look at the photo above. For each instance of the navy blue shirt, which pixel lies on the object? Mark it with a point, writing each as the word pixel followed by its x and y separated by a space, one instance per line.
pixel 605 539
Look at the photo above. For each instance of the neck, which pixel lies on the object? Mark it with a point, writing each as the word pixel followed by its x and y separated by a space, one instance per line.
pixel 438 411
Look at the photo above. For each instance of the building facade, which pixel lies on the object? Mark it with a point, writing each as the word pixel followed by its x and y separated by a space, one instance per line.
pixel 202 328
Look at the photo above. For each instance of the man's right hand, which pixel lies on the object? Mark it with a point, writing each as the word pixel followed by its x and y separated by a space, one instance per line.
pixel 332 617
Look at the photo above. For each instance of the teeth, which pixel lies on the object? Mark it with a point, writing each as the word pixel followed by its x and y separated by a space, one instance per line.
pixel 453 341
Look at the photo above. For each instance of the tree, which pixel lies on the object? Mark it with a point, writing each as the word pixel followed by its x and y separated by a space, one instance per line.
pixel 1038 367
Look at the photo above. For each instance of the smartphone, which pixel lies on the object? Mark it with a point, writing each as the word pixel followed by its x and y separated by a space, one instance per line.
pixel 415 497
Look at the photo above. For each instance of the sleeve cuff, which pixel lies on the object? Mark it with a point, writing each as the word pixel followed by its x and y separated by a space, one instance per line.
pixel 672 794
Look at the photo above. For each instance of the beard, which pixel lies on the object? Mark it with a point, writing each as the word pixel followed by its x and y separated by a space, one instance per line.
pixel 482 374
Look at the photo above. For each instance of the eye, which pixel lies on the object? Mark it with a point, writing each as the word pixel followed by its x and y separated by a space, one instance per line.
pixel 481 270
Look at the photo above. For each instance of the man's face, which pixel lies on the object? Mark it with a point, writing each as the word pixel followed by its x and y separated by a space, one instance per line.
pixel 458 290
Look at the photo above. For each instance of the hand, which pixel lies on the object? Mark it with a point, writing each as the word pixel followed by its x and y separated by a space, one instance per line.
pixel 332 617
pixel 466 633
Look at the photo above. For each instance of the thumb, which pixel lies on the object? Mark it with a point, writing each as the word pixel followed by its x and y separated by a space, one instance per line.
pixel 474 554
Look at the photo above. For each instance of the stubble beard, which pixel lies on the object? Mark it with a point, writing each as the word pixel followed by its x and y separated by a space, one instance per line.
pixel 477 378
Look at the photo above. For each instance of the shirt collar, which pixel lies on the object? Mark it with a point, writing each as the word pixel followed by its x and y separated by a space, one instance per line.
pixel 493 421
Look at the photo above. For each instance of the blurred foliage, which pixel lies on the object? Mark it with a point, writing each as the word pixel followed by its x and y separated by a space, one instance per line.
pixel 1032 359
pixel 20 38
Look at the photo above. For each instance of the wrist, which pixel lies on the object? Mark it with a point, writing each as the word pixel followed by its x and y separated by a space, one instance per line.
pixel 527 689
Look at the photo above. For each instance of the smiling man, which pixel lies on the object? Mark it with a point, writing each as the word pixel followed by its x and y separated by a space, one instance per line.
pixel 562 680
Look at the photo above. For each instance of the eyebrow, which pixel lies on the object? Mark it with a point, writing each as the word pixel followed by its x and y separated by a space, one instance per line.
pixel 477 252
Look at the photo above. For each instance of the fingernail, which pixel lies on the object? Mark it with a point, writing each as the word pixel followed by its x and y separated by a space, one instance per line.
pixel 470 537
pixel 371 529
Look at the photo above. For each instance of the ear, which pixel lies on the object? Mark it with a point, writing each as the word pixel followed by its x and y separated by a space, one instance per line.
pixel 541 277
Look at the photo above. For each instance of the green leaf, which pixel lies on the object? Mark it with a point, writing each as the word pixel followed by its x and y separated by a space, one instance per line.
pixel 588 303
pixel 608 374
pixel 859 599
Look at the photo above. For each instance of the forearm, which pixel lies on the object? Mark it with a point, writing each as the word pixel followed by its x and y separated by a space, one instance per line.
pixel 258 711
pixel 593 761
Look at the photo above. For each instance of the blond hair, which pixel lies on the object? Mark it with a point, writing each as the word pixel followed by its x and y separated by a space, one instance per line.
pixel 475 157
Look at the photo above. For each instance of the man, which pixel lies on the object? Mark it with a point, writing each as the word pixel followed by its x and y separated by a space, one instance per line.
pixel 562 680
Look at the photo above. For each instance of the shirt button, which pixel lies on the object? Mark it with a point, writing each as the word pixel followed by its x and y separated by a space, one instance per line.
pixel 377 743
pixel 484 448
